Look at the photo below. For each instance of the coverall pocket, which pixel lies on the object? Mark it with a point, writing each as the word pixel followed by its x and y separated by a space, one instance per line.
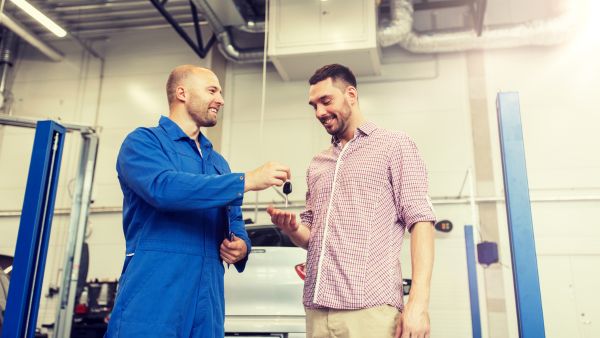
pixel 161 287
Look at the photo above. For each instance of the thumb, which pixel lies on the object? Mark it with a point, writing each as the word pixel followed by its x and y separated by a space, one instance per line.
pixel 398 332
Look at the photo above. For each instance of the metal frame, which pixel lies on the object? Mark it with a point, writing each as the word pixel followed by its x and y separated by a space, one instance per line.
pixel 530 316
pixel 473 287
pixel 77 229
pixel 198 46
pixel 34 231
pixel 79 213
pixel 478 8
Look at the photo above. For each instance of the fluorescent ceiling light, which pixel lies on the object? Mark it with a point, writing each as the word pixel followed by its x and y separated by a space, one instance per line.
pixel 40 17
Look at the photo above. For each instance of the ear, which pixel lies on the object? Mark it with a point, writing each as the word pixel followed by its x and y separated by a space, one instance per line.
pixel 181 94
pixel 351 95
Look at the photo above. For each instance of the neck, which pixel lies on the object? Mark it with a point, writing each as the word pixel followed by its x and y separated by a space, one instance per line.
pixel 353 124
pixel 183 120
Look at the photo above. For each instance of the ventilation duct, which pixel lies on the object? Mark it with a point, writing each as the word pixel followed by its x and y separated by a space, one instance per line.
pixel 30 37
pixel 534 33
pixel 225 45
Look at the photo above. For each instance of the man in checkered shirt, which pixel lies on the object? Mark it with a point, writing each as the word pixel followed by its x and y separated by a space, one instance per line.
pixel 364 192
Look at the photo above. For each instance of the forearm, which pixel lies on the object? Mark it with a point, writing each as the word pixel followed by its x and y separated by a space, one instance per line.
pixel 422 251
pixel 300 236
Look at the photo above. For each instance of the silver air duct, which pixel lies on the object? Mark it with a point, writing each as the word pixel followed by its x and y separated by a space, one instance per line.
pixel 226 47
pixel 30 37
pixel 534 33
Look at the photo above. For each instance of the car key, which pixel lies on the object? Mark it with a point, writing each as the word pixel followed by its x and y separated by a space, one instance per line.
pixel 287 189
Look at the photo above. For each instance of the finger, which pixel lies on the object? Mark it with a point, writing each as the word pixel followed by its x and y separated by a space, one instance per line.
pixel 281 220
pixel 270 209
pixel 285 170
pixel 227 260
pixel 227 256
pixel 398 327
pixel 236 245
pixel 288 219
pixel 277 182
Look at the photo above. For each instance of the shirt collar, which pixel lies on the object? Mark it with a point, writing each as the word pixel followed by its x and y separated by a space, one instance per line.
pixel 172 129
pixel 176 133
pixel 365 129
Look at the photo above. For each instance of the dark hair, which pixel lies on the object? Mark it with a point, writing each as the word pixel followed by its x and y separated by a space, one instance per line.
pixel 335 72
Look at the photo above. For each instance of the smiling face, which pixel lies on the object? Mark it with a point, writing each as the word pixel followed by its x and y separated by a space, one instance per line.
pixel 204 98
pixel 332 104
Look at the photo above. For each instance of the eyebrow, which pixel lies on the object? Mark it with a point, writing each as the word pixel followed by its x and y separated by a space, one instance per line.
pixel 311 103
pixel 216 88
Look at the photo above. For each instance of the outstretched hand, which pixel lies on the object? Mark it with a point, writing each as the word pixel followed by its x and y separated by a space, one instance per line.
pixel 284 220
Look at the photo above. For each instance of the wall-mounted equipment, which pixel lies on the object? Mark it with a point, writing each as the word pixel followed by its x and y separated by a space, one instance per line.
pixel 443 226
pixel 487 253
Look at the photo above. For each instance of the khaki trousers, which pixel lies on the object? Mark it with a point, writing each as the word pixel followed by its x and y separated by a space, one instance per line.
pixel 375 322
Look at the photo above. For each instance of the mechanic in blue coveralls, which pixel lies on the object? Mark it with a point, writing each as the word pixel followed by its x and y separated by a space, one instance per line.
pixel 181 217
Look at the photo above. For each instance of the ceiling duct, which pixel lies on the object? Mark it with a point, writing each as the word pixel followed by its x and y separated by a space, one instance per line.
pixel 228 18
pixel 534 33
pixel 30 37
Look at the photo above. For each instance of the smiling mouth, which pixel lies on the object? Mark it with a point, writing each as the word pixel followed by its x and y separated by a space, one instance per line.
pixel 213 110
pixel 327 120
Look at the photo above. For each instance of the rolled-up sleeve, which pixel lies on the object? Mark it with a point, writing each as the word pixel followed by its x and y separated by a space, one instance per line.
pixel 409 179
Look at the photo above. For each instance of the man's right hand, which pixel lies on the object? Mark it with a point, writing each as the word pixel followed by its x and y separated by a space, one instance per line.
pixel 267 175
pixel 284 220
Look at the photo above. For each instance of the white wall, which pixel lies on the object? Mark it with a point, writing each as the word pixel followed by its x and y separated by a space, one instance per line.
pixel 559 98
pixel 425 96
pixel 560 95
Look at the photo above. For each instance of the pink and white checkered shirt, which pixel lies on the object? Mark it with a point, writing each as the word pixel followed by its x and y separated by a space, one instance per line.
pixel 360 200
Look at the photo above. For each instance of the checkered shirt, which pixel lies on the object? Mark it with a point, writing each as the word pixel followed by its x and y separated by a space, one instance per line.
pixel 360 200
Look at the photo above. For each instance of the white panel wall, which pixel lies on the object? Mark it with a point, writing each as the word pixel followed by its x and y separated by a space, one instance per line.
pixel 425 96
pixel 560 94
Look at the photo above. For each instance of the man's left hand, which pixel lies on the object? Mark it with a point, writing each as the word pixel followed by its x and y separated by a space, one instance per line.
pixel 413 322
pixel 233 251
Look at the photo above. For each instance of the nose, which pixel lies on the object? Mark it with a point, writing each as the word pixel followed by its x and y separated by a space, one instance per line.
pixel 320 111
pixel 219 99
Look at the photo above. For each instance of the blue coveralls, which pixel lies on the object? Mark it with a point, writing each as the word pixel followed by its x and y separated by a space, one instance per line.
pixel 176 208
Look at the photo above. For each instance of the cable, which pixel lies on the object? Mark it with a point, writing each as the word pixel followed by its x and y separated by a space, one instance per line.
pixel 262 99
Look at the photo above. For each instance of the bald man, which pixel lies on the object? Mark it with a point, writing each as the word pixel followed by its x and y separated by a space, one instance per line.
pixel 181 217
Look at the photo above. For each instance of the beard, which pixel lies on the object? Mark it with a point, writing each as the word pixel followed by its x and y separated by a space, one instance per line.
pixel 339 121
pixel 199 112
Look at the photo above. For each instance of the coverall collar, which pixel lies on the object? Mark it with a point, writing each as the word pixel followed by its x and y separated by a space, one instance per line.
pixel 175 133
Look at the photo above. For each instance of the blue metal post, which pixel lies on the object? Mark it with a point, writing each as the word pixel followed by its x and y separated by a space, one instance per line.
pixel 473 289
pixel 520 225
pixel 34 232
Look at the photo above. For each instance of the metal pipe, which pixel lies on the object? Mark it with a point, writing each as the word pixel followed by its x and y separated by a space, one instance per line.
pixel 226 46
pixel 300 204
pixel 30 37
pixel 32 123
pixel 8 52
pixel 534 33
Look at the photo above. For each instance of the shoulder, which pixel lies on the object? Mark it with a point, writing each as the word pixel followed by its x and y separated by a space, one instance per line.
pixel 396 136
pixel 142 134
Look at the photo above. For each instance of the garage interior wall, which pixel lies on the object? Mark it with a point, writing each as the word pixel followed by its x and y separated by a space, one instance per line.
pixel 428 96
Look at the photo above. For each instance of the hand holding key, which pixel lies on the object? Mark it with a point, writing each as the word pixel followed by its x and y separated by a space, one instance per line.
pixel 267 175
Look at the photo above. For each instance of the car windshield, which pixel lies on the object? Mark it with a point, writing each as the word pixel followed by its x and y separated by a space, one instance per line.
pixel 268 235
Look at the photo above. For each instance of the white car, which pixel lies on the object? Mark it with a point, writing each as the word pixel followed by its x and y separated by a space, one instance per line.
pixel 266 299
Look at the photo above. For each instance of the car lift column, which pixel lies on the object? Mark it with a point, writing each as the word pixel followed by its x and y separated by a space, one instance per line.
pixel 34 231
pixel 530 317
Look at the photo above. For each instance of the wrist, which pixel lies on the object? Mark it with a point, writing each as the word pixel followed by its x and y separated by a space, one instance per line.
pixel 248 182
